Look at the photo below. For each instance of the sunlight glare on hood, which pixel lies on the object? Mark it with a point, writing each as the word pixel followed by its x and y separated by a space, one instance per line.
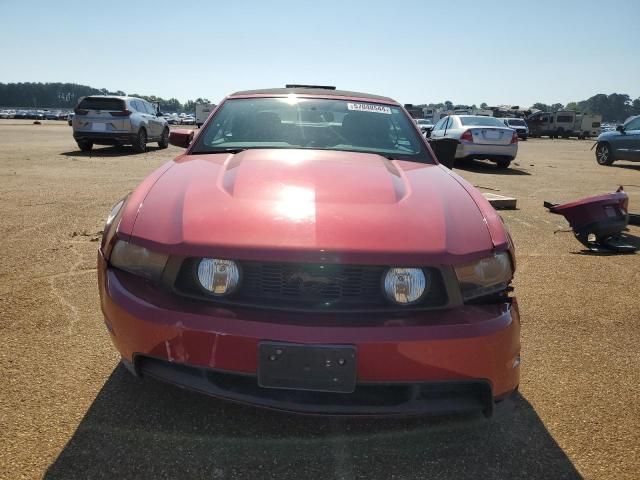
pixel 296 204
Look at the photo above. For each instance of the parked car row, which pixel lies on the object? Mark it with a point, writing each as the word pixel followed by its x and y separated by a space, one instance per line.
pixel 172 118
pixel 180 119
pixel 35 114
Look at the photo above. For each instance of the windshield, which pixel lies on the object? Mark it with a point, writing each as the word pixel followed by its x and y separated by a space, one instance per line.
pixel 311 123
pixel 423 122
pixel 481 122
pixel 517 123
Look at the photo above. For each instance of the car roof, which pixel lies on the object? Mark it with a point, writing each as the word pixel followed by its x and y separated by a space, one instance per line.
pixel 319 92
pixel 467 115
pixel 119 97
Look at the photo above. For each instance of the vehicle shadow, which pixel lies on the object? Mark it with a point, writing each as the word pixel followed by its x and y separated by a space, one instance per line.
pixel 146 429
pixel 480 166
pixel 109 151
pixel 630 166
pixel 627 238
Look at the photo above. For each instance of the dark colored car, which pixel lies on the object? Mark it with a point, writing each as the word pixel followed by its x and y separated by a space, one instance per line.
pixel 623 143
pixel 308 253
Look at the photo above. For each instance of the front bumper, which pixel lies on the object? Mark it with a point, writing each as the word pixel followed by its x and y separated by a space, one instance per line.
pixel 105 138
pixel 422 362
pixel 490 152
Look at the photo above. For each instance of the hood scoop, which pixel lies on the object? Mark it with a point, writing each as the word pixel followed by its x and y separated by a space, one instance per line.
pixel 319 176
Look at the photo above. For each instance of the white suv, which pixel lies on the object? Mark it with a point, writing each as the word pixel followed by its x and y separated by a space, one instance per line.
pixel 113 120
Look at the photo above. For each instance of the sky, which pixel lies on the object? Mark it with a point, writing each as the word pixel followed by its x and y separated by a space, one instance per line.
pixel 497 52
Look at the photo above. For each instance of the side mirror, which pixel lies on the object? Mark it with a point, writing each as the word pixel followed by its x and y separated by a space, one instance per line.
pixel 427 132
pixel 181 137
pixel 620 128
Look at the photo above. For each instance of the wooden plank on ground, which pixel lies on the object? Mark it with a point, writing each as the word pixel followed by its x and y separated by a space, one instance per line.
pixel 500 202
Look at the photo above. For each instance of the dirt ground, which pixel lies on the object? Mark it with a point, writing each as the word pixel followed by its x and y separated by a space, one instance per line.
pixel 67 410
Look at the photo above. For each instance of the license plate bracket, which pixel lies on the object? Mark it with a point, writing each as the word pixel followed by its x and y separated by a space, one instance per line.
pixel 319 368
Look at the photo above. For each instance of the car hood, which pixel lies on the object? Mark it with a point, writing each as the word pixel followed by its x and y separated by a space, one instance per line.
pixel 609 134
pixel 311 205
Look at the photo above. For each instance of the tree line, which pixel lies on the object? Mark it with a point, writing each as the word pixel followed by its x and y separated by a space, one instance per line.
pixel 615 107
pixel 67 95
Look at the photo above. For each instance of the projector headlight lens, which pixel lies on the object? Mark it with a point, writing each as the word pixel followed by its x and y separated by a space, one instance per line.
pixel 111 225
pixel 219 277
pixel 405 285
pixel 138 260
pixel 489 275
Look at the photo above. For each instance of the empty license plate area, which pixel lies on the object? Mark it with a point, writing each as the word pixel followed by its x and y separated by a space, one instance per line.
pixel 491 134
pixel 324 368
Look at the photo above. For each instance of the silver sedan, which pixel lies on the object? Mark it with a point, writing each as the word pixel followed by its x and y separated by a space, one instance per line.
pixel 479 137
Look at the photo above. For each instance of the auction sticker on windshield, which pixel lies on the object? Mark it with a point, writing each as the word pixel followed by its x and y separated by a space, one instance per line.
pixel 368 107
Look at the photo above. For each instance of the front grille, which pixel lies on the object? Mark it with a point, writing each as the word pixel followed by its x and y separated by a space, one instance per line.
pixel 310 286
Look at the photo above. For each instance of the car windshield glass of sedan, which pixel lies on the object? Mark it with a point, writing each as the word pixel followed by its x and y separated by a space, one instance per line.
pixel 312 123
pixel 481 122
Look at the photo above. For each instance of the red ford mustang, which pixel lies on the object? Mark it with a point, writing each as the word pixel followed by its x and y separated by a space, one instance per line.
pixel 308 253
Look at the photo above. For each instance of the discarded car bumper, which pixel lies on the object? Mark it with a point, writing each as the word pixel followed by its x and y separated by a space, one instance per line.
pixel 435 362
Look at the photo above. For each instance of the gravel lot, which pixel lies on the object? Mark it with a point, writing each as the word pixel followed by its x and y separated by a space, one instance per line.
pixel 67 410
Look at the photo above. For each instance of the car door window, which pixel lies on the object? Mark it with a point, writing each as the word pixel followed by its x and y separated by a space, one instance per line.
pixel 633 125
pixel 449 123
pixel 137 104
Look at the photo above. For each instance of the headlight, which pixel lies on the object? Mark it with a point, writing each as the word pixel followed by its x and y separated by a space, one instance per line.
pixel 219 277
pixel 109 228
pixel 138 260
pixel 405 285
pixel 489 275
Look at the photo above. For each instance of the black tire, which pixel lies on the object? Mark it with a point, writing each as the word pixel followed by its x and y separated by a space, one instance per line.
pixel 85 146
pixel 604 155
pixel 164 139
pixel 140 143
pixel 502 164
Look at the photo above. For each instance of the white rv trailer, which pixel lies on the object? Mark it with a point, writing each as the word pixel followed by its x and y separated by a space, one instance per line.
pixel 202 112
